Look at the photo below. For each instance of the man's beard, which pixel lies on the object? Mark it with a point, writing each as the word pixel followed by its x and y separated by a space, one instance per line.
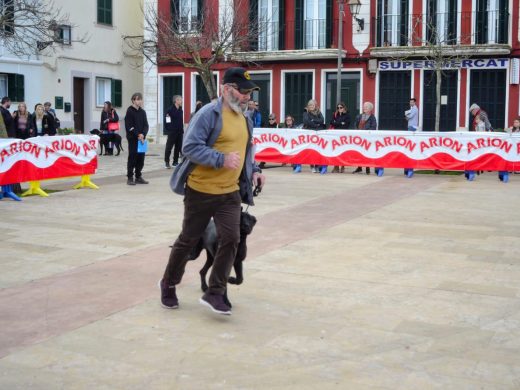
pixel 235 105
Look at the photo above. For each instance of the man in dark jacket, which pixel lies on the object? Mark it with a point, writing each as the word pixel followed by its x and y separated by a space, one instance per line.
pixel 174 129
pixel 136 124
pixel 8 118
pixel 216 176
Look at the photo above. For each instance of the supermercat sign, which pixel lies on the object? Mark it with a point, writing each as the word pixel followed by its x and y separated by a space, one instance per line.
pixel 473 63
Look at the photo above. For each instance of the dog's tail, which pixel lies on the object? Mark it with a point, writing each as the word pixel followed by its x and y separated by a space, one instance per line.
pixel 195 251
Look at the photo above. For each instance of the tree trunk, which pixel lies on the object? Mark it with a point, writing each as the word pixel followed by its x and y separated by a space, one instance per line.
pixel 209 83
pixel 438 74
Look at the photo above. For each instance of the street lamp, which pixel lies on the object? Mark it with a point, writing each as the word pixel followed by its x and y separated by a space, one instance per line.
pixel 340 50
pixel 354 6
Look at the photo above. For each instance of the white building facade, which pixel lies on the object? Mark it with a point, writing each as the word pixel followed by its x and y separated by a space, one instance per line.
pixel 89 67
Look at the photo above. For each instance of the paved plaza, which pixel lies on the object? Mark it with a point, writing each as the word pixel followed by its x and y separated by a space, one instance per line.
pixel 351 282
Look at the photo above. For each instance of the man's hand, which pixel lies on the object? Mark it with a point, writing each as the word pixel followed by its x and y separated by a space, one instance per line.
pixel 232 160
pixel 140 137
pixel 258 179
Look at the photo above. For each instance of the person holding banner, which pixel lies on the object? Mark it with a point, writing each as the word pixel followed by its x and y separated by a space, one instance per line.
pixel 412 115
pixel 23 122
pixel 42 123
pixel 313 120
pixel 136 124
pixel 365 121
pixel 477 111
pixel 340 120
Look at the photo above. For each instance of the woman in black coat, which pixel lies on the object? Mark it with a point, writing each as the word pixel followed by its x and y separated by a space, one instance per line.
pixel 42 123
pixel 340 121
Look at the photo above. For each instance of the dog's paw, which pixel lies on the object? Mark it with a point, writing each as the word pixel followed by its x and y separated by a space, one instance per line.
pixel 233 280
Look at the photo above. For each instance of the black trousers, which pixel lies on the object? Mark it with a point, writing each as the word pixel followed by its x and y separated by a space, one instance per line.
pixel 198 210
pixel 174 141
pixel 135 160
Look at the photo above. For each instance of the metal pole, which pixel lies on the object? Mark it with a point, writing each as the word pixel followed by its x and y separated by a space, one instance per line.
pixel 340 52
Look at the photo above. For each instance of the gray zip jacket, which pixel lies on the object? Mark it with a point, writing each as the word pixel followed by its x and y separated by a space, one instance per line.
pixel 197 148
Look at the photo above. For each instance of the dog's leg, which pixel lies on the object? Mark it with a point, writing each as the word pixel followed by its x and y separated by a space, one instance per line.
pixel 238 272
pixel 204 271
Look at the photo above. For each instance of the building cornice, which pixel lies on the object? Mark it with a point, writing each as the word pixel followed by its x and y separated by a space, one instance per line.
pixel 285 55
pixel 452 50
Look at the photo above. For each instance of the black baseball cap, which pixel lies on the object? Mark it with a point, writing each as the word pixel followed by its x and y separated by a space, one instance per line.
pixel 241 78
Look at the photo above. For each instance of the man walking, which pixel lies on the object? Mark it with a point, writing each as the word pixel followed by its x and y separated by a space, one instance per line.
pixel 216 176
pixel 476 111
pixel 136 124
pixel 412 115
pixel 174 129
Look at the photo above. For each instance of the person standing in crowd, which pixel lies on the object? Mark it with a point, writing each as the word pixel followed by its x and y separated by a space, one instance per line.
pixel 412 115
pixel 479 123
pixel 254 114
pixel 313 120
pixel 107 126
pixel 8 118
pixel 23 122
pixel 340 121
pixel 136 124
pixel 365 121
pixel 42 123
pixel 50 111
pixel 198 106
pixel 272 121
pixel 174 129
pixel 216 176
pixel 288 124
pixel 516 126
pixel 476 110
pixel 3 131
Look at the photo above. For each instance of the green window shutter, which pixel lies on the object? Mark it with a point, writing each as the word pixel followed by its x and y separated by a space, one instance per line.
pixel 16 87
pixel 117 93
pixel 328 24
pixel 281 25
pixel 104 11
pixel 298 24
pixel 253 22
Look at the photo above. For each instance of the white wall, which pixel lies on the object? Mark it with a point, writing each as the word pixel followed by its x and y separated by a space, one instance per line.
pixel 103 55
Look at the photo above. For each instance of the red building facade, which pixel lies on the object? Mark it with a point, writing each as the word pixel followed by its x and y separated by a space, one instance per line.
pixel 388 61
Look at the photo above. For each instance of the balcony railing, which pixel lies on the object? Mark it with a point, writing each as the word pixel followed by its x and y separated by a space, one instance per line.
pixel 489 27
pixel 314 34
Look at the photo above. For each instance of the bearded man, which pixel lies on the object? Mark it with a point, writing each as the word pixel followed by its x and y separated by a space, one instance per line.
pixel 216 177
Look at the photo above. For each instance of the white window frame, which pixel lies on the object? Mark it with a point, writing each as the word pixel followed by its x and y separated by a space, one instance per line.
pixel 268 11
pixel 188 11
pixel 315 39
pixel 394 12
pixel 66 31
pixel 106 94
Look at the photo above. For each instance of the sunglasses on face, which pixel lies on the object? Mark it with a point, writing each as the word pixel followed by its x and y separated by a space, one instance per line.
pixel 240 90
pixel 339 107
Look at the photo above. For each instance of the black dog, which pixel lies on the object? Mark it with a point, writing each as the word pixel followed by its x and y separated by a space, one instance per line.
pixel 210 244
pixel 104 142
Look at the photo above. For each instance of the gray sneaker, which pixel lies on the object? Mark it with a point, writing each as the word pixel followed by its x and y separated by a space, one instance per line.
pixel 216 303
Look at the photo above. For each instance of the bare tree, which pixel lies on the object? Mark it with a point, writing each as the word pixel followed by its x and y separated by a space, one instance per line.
pixel 439 47
pixel 195 41
pixel 29 26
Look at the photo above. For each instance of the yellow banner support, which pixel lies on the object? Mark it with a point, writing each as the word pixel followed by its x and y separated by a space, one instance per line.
pixel 85 182
pixel 35 189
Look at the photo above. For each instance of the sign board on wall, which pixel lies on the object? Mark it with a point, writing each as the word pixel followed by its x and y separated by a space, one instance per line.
pixel 472 63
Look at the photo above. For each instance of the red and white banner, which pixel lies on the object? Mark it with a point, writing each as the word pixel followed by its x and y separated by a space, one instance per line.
pixel 42 158
pixel 390 149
